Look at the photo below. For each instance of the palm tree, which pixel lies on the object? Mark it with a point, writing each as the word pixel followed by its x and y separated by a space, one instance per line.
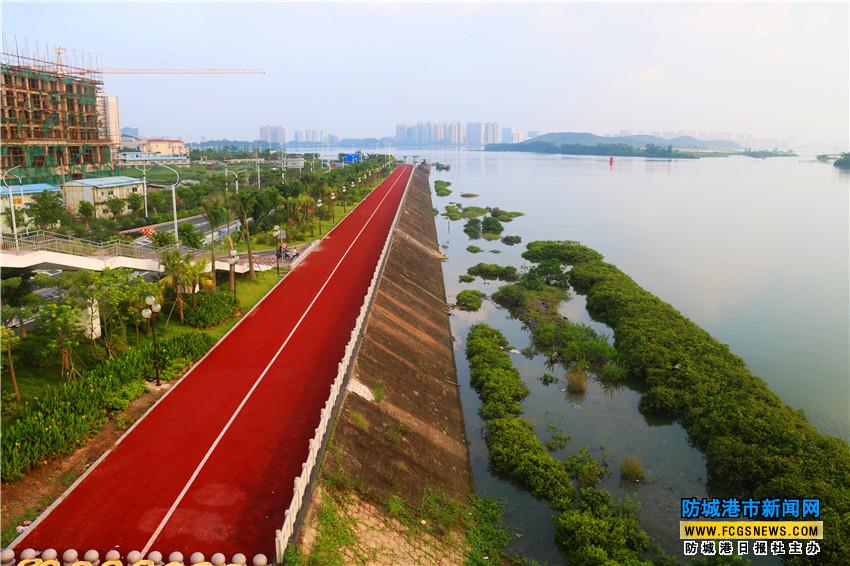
pixel 242 202
pixel 174 265
pixel 215 213
pixel 9 339
pixel 198 277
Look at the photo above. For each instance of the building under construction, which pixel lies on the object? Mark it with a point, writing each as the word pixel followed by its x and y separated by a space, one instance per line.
pixel 51 127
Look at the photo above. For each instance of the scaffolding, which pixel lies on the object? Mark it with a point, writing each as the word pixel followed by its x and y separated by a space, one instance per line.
pixel 50 127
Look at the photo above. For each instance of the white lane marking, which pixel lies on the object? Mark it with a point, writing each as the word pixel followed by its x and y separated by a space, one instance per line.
pixel 230 421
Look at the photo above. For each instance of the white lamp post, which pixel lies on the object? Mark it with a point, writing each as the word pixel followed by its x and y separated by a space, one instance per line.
pixel 319 214
pixel 232 259
pixel 280 235
pixel 173 197
pixel 149 314
pixel 12 205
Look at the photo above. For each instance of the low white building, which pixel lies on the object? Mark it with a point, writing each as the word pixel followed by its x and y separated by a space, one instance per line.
pixel 97 191
pixel 21 197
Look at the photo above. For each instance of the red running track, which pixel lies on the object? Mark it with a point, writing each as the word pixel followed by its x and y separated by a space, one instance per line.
pixel 210 468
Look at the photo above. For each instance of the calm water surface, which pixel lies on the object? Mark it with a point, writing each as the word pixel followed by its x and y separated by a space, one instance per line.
pixel 754 251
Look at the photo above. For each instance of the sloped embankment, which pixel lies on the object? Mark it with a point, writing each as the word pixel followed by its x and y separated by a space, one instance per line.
pixel 399 436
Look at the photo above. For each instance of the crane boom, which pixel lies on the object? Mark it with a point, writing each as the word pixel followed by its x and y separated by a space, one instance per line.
pixel 173 71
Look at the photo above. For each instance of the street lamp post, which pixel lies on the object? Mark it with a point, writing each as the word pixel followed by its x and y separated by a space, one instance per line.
pixel 12 206
pixel 343 199
pixel 280 235
pixel 149 314
pixel 173 197
pixel 232 259
pixel 333 208
pixel 319 214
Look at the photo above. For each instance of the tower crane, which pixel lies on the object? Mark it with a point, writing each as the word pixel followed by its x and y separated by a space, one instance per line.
pixel 155 70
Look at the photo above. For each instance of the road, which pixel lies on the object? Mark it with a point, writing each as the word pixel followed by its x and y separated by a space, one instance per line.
pixel 201 225
pixel 210 467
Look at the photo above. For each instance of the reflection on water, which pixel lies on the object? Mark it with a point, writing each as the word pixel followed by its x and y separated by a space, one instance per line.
pixel 755 251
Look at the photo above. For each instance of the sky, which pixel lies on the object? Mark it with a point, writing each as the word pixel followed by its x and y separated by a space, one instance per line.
pixel 777 71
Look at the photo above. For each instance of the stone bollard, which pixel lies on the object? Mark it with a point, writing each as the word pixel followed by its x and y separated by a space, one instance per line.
pixel 112 555
pixel 28 553
pixel 93 557
pixel 175 557
pixel 196 558
pixel 7 557
pixel 134 556
pixel 70 556
pixel 218 559
pixel 49 554
pixel 155 557
pixel 238 558
pixel 260 560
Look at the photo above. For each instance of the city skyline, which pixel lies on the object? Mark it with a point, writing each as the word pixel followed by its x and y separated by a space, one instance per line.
pixel 742 67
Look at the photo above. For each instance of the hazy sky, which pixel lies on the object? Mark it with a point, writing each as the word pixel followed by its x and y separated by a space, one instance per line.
pixel 773 70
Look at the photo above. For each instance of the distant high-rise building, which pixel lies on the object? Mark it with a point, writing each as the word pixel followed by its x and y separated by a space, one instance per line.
pixel 273 134
pixel 107 110
pixel 490 133
pixel 474 133
pixel 533 133
pixel 128 131
pixel 456 133
pixel 315 136
pixel 507 135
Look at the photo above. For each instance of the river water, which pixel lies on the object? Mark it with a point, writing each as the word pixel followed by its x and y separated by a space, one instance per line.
pixel 754 251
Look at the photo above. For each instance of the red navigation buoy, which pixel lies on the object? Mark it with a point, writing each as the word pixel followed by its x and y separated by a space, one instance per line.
pixel 611 161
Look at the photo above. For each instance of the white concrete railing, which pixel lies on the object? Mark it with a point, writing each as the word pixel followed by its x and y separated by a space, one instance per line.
pixel 43 247
pixel 301 483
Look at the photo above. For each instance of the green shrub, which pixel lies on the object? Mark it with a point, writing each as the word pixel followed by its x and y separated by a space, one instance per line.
pixel 494 271
pixel 473 211
pixel 565 251
pixel 612 372
pixel 469 300
pixel 452 212
pixel 474 249
pixel 212 309
pixel 755 445
pixel 468 195
pixel 631 470
pixel 504 215
pixel 584 468
pixel 511 240
pixel 492 225
pixel 558 441
pixel 442 188
pixel 577 381
pixel 65 415
pixel 465 278
pixel 472 228
pixel 548 379
pixel 517 455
